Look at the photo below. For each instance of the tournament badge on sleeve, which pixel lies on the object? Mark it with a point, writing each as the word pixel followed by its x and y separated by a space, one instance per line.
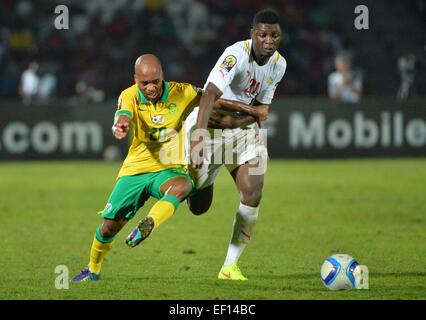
pixel 229 62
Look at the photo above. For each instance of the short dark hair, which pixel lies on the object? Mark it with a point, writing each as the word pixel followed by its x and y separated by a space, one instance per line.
pixel 267 16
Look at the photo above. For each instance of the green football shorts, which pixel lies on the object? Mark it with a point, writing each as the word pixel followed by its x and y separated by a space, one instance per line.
pixel 131 192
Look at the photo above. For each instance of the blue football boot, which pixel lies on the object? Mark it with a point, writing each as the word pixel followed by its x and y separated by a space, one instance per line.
pixel 141 232
pixel 85 275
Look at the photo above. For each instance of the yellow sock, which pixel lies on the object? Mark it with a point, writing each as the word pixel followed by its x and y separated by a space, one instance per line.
pixel 97 254
pixel 163 210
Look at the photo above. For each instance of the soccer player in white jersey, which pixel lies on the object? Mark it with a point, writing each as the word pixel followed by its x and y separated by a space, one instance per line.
pixel 247 73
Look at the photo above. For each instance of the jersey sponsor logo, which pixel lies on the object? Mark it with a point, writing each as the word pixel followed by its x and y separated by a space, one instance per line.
pixel 269 80
pixel 158 119
pixel 229 62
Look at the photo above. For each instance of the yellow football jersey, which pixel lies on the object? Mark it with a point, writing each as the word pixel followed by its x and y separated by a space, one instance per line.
pixel 158 129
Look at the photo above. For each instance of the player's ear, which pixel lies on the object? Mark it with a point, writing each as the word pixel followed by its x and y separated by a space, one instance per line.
pixel 251 33
pixel 134 77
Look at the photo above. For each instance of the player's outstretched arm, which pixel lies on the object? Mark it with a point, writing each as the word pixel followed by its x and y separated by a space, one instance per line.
pixel 228 121
pixel 262 112
pixel 207 102
pixel 198 149
pixel 258 111
pixel 121 127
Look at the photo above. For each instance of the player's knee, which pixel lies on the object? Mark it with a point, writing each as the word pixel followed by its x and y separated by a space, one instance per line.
pixel 188 188
pixel 252 198
pixel 181 190
pixel 109 230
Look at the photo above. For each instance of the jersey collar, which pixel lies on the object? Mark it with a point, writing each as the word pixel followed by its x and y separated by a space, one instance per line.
pixel 164 96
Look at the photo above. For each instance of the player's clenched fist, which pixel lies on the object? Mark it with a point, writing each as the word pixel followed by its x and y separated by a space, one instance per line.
pixel 121 126
pixel 120 129
pixel 262 112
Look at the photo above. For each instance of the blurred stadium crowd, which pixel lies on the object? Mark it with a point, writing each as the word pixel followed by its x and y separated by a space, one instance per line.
pixel 93 60
pixel 96 54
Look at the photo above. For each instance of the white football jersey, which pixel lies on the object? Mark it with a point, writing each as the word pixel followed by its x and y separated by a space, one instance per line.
pixel 240 78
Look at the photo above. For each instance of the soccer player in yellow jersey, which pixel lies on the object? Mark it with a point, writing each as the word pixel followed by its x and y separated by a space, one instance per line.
pixel 155 164
pixel 157 110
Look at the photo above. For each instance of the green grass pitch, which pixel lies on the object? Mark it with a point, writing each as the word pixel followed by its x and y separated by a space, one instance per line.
pixel 374 210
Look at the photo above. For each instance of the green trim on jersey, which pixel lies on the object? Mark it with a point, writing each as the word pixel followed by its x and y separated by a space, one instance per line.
pixel 165 95
pixel 163 98
pixel 123 112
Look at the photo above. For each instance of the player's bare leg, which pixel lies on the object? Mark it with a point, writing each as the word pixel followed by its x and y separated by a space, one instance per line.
pixel 249 183
pixel 201 201
pixel 180 187
pixel 175 190
pixel 110 228
pixel 102 244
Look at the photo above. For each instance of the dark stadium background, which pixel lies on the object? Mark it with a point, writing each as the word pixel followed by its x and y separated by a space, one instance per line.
pixel 105 37
pixel 92 62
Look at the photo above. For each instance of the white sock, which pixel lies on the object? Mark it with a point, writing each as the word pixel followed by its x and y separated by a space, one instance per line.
pixel 242 232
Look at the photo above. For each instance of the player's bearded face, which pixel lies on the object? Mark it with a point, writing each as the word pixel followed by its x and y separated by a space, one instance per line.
pixel 266 38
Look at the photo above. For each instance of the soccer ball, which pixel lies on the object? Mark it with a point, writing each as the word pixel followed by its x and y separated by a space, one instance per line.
pixel 337 272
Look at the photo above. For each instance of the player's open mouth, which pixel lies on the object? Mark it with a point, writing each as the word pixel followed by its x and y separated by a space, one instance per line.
pixel 152 95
